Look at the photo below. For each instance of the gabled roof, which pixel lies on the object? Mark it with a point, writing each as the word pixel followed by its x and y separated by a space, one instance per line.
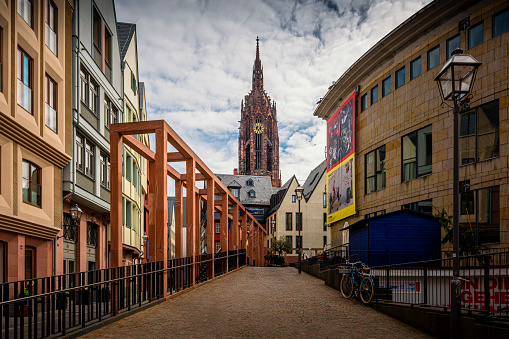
pixel 313 179
pixel 281 192
pixel 125 33
pixel 261 185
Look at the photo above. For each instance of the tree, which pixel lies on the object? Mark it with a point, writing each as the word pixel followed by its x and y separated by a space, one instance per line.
pixel 469 245
pixel 283 244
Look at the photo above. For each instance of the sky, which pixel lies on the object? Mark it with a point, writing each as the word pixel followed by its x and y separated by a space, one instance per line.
pixel 196 59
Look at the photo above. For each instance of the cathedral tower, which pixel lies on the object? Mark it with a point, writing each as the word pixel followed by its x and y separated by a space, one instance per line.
pixel 258 136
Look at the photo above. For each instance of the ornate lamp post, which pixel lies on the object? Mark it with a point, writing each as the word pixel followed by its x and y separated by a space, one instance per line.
pixel 145 243
pixel 455 81
pixel 298 192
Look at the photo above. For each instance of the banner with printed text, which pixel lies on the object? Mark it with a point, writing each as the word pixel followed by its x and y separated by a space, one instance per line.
pixel 341 162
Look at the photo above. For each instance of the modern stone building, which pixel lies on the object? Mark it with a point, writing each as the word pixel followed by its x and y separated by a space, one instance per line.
pixel 35 132
pixel 258 134
pixel 97 103
pixel 285 211
pixel 404 145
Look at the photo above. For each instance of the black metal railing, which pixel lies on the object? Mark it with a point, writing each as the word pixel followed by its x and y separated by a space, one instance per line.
pixel 484 283
pixel 55 305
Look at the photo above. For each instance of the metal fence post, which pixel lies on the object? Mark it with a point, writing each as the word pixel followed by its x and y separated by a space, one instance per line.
pixel 487 284
pixel 425 283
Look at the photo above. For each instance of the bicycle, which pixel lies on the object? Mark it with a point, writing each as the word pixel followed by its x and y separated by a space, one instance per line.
pixel 356 278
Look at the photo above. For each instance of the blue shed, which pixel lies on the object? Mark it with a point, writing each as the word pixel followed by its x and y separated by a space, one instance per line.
pixel 393 238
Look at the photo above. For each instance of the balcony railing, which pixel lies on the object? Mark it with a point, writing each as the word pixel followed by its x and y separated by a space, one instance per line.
pixel 51 118
pixel 24 96
pixel 51 39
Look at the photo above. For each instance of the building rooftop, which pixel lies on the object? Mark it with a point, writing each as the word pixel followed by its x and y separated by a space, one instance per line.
pixel 313 179
pixel 261 186
pixel 125 33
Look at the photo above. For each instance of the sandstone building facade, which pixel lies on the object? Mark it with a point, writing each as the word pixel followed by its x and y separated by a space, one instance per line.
pixel 404 145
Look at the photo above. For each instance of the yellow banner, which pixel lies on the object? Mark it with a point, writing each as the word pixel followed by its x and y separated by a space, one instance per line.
pixel 341 191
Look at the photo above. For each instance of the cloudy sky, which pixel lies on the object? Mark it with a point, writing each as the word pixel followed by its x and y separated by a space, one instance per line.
pixel 196 59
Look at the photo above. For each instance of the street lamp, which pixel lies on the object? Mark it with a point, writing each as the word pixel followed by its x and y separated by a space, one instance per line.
pixel 145 242
pixel 298 192
pixel 455 82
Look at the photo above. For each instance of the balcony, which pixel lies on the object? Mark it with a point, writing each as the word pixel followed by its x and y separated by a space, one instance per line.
pixel 51 39
pixel 24 96
pixel 51 118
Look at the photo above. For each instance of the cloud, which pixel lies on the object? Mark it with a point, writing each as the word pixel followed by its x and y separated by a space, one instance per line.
pixel 196 60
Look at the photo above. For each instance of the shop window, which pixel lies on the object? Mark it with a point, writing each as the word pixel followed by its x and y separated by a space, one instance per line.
pixel 452 44
pixel 480 211
pixel 375 170
pixel 31 183
pixel 433 57
pixel 479 133
pixel 476 35
pixel 416 154
pixel 29 263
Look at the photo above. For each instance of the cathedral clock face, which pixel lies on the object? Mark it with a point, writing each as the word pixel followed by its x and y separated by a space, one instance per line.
pixel 258 128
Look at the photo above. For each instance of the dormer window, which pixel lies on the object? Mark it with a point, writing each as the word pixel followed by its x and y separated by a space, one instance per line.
pixel 250 182
pixel 252 194
pixel 234 191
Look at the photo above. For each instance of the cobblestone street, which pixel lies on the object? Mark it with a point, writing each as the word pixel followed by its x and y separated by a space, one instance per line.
pixel 258 302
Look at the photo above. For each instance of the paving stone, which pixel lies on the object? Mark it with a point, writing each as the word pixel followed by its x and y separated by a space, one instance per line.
pixel 260 302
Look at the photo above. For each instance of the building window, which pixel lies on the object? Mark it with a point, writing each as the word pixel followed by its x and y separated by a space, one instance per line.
pixel 324 200
pixel 252 194
pixel 424 206
pixel 80 153
pixel 375 170
pixel 479 133
pixel 128 170
pixel 51 104
pixel 235 192
pixel 324 241
pixel 476 35
pixel 128 214
pixel 107 112
pixel 400 77
pixel 416 153
pixel 294 198
pixel 298 241
pixel 24 81
pixel 250 182
pixel 288 221
pixel 96 37
pixel 107 54
pixel 386 86
pixel 89 91
pixel 218 227
pixel 374 94
pixel 501 22
pixel 480 211
pixel 364 102
pixel 51 26
pixel 298 221
pixel 31 183
pixel 374 214
pixel 25 10
pixel 89 159
pixel 415 68
pixel 133 83
pixel 452 44
pixel 325 222
pixel 105 171
pixel 218 246
pixel 91 235
pixel 290 240
pixel 433 57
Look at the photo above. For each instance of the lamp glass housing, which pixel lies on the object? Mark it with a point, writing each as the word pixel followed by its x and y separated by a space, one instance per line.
pixel 298 192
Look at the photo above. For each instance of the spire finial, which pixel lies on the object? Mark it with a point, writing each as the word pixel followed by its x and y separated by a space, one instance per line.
pixel 257 49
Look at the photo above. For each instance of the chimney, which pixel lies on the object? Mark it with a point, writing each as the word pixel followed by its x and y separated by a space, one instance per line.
pixel 235 171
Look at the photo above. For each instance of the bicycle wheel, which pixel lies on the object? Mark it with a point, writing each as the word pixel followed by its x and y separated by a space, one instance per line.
pixel 366 290
pixel 346 286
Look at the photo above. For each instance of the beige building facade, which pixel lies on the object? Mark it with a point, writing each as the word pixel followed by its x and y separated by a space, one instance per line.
pixel 285 212
pixel 35 126
pixel 404 144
